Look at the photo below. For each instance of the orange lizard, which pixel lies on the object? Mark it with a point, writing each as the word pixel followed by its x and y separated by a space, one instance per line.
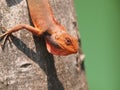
pixel 58 41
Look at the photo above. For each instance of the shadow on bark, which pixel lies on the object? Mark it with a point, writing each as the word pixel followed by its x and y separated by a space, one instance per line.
pixel 12 2
pixel 43 58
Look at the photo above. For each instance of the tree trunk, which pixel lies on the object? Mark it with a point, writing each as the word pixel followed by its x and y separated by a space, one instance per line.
pixel 25 64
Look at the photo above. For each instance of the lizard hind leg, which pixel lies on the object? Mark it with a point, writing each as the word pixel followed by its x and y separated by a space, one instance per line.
pixel 4 36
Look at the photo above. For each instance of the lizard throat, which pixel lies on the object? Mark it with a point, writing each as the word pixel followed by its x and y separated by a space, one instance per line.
pixel 52 42
pixel 55 49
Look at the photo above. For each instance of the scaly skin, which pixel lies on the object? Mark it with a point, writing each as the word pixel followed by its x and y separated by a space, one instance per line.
pixel 58 41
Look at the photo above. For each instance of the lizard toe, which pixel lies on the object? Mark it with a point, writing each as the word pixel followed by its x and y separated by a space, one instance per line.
pixel 3 37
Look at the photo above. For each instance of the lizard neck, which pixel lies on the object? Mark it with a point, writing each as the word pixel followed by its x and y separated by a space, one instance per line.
pixel 55 27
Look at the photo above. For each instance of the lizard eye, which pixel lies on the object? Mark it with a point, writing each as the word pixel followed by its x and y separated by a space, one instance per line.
pixel 68 41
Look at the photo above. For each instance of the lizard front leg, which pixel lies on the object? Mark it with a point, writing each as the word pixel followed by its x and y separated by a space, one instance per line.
pixel 34 30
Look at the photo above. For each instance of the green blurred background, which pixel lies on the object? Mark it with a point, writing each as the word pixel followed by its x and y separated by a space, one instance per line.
pixel 99 26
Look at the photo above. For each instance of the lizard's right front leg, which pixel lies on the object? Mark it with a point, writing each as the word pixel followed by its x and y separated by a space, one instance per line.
pixel 34 30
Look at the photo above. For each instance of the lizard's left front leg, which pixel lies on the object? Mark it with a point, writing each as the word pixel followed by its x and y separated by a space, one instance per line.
pixel 34 30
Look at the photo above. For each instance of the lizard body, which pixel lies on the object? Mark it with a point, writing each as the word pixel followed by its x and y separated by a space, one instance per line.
pixel 58 41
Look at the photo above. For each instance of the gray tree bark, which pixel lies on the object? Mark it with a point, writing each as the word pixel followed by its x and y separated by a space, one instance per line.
pixel 25 64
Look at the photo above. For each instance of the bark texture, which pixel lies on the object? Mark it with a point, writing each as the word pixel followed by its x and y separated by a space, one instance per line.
pixel 25 63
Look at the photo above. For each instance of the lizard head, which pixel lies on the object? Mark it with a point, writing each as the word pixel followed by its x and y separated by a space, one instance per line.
pixel 62 43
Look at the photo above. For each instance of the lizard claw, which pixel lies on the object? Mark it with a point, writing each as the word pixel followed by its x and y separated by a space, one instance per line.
pixel 4 36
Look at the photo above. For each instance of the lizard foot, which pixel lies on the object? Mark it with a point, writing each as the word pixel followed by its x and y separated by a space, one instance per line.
pixel 4 36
